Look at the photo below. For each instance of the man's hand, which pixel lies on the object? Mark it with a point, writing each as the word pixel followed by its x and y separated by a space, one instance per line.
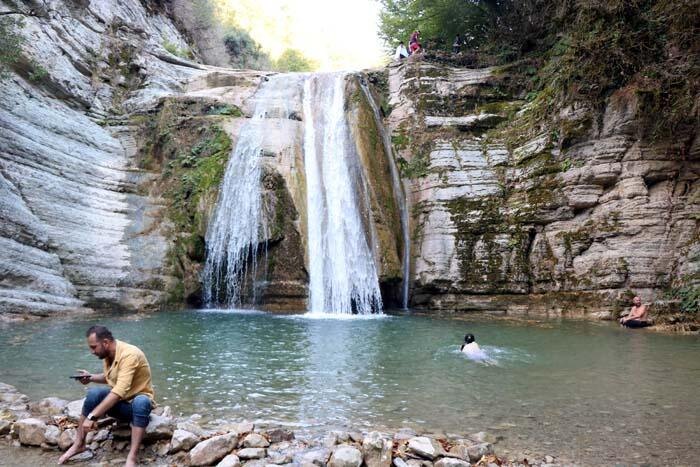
pixel 89 425
pixel 87 376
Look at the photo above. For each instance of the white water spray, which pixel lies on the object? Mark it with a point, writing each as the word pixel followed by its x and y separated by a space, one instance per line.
pixel 343 275
pixel 238 228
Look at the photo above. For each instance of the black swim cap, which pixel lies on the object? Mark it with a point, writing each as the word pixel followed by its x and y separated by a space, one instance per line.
pixel 469 338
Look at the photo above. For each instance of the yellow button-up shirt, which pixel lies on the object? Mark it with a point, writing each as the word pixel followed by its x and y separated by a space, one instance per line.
pixel 129 374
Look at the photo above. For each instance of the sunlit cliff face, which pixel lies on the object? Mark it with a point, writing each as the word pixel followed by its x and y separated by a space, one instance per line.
pixel 336 34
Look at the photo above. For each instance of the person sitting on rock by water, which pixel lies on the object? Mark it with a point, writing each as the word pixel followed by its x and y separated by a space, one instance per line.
pixel 637 317
pixel 128 397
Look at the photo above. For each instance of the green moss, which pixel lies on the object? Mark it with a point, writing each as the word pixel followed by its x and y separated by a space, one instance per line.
pixel 226 109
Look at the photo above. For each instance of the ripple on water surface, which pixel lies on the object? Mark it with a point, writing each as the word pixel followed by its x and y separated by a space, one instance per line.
pixel 557 387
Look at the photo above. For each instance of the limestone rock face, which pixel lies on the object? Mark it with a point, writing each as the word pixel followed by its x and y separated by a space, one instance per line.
pixel 72 222
pixel 564 221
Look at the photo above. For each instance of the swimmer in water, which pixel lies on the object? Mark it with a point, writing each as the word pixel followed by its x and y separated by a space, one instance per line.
pixel 472 350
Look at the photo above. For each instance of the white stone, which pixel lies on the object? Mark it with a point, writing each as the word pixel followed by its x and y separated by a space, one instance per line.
pixel 229 461
pixel 213 449
pixel 345 456
pixel 251 453
pixel 159 427
pixel 255 440
pixel 182 441
pixel 424 447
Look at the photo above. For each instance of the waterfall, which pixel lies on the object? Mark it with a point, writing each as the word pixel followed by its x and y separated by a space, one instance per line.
pixel 399 193
pixel 238 228
pixel 343 275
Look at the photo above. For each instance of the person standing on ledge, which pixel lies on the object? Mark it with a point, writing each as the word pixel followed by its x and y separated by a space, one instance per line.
pixel 637 318
pixel 128 397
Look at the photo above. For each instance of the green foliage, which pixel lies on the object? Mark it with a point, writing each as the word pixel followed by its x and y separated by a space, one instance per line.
pixel 689 297
pixel 505 28
pixel 417 167
pixel 294 60
pixel 38 73
pixel 226 109
pixel 10 44
pixel 171 47
pixel 244 51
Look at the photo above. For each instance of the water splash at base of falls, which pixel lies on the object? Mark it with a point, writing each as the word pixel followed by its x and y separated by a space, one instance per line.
pixel 343 274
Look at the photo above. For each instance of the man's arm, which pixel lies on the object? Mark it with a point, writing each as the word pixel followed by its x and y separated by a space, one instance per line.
pixel 99 378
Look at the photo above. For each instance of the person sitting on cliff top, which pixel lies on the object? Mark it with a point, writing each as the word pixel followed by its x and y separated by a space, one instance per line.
pixel 128 397
pixel 401 52
pixel 637 317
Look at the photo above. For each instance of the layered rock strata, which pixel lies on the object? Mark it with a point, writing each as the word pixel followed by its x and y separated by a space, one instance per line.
pixel 572 219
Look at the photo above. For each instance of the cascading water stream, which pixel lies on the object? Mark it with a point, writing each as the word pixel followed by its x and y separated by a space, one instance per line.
pixel 343 275
pixel 399 192
pixel 238 228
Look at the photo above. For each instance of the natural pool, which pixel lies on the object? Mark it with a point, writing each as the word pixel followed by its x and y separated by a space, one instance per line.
pixel 585 391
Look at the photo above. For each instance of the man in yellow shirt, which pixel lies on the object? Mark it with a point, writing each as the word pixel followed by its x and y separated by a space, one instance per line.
pixel 129 396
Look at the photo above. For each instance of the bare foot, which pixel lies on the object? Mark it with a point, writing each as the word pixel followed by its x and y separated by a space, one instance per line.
pixel 72 451
pixel 130 461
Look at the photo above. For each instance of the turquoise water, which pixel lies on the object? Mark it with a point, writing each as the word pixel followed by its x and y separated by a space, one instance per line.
pixel 585 391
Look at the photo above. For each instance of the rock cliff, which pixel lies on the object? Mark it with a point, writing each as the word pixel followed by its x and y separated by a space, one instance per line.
pixel 573 218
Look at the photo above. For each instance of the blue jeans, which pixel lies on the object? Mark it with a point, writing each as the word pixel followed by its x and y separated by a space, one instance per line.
pixel 138 411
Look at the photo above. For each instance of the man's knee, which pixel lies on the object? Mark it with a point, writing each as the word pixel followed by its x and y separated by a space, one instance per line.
pixel 141 410
pixel 94 396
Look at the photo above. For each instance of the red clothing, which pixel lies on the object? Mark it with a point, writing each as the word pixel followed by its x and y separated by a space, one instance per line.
pixel 414 47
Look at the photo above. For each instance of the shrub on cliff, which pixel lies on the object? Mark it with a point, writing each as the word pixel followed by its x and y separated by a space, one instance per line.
pixel 10 44
pixel 244 51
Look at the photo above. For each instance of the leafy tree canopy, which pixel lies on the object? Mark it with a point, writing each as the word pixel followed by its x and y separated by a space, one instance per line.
pixel 294 60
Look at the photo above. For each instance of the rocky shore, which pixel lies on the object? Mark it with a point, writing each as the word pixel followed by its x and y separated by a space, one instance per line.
pixel 49 425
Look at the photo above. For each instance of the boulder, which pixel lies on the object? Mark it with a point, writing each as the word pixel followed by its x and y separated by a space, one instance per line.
pixel 66 438
pixel 182 440
pixel 452 462
pixel 346 456
pixel 229 461
pixel 425 447
pixel 74 409
pixel 317 457
pixel 398 462
pixel 159 427
pixel 478 451
pixel 31 431
pixel 252 453
pixel 192 427
pixel 49 406
pixel 52 434
pixel 376 451
pixel 279 435
pixel 213 449
pixel 255 440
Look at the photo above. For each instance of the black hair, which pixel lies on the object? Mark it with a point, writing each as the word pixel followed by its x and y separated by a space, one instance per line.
pixel 100 332
pixel 469 338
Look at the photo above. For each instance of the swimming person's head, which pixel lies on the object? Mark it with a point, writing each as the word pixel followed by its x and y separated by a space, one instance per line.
pixel 469 338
